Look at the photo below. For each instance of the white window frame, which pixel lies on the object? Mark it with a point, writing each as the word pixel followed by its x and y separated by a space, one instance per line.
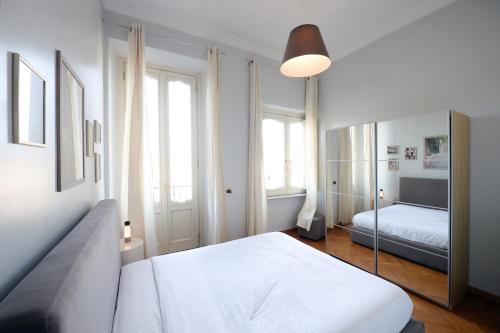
pixel 287 116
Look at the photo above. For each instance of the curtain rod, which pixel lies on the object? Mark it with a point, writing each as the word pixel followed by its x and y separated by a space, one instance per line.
pixel 181 42
pixel 250 61
pixel 160 36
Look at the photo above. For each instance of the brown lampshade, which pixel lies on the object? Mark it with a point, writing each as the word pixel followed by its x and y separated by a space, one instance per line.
pixel 305 53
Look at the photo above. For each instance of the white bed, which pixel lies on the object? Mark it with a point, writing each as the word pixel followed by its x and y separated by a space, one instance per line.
pixel 422 225
pixel 265 283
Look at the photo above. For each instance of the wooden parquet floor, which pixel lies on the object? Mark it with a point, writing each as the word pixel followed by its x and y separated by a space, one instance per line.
pixel 473 314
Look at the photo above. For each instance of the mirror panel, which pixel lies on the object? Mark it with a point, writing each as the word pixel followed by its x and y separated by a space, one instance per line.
pixel 412 194
pixel 344 239
pixel 350 194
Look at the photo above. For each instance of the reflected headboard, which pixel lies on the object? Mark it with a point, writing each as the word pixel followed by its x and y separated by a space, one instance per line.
pixel 424 191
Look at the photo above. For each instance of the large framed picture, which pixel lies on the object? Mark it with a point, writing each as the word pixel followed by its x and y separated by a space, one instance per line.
pixel 70 96
pixel 28 103
pixel 436 152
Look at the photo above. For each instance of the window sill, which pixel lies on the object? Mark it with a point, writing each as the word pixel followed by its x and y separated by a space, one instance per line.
pixel 284 196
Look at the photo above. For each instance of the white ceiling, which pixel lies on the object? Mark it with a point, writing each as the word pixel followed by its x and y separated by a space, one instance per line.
pixel 262 26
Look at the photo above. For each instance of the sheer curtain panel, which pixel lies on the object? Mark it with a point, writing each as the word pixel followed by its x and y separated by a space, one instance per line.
pixel 306 214
pixel 216 221
pixel 256 199
pixel 136 191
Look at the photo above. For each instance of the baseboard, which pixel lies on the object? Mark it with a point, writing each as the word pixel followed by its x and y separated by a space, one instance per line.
pixel 484 294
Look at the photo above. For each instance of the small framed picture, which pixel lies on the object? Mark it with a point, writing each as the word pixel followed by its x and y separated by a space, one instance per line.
pixel 97 161
pixel 410 153
pixel 90 138
pixel 28 103
pixel 392 150
pixel 97 131
pixel 393 164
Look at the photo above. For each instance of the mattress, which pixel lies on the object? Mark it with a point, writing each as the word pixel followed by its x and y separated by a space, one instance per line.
pixel 265 283
pixel 422 225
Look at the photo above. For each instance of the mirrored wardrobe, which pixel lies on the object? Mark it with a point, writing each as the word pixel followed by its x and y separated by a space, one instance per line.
pixel 397 201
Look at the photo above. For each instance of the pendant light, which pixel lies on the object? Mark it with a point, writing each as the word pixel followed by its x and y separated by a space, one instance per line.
pixel 305 53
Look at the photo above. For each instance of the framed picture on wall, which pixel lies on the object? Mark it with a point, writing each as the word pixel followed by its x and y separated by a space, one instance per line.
pixel 97 161
pixel 70 97
pixel 28 103
pixel 392 149
pixel 97 131
pixel 393 164
pixel 89 142
pixel 436 152
pixel 410 153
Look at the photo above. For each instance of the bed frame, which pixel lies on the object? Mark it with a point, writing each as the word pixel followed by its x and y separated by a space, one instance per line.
pixel 74 288
pixel 423 192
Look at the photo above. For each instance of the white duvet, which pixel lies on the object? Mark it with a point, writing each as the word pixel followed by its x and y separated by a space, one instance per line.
pixel 418 224
pixel 265 283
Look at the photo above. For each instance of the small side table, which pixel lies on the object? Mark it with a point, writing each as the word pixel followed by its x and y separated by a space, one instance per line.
pixel 131 251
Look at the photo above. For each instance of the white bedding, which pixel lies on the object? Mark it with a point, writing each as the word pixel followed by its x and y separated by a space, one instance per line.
pixel 137 308
pixel 418 224
pixel 265 283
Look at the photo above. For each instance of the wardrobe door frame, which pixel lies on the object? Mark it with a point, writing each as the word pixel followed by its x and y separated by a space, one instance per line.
pixel 458 256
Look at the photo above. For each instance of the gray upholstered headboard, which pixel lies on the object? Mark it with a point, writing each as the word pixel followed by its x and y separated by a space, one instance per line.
pixel 74 288
pixel 424 191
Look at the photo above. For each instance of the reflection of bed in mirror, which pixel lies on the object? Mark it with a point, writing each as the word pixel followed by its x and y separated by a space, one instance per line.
pixel 415 227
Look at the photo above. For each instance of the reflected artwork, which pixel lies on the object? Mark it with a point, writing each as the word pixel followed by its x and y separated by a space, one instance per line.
pixel 411 153
pixel 436 152
pixel 393 164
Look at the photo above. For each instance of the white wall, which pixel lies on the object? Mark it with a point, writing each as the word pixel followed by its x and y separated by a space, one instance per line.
pixel 276 90
pixel 447 60
pixel 33 216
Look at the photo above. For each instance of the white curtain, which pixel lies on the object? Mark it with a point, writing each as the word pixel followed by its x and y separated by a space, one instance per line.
pixel 345 209
pixel 136 192
pixel 256 198
pixel 362 170
pixel 355 172
pixel 306 214
pixel 216 222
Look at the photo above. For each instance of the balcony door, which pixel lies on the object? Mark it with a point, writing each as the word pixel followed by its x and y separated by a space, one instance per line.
pixel 171 102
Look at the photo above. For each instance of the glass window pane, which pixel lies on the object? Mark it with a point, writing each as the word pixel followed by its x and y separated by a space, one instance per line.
pixel 180 148
pixel 274 153
pixel 297 154
pixel 152 110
